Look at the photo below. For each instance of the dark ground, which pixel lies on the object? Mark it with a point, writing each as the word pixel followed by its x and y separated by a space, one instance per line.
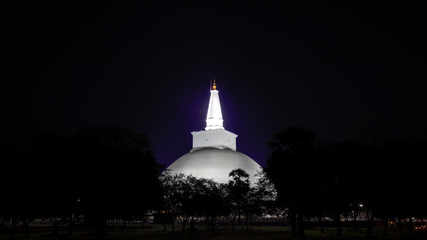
pixel 155 231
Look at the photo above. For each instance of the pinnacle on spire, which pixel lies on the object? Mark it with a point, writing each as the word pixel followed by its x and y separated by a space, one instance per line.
pixel 214 117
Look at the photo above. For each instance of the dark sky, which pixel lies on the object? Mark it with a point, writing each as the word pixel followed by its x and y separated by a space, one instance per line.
pixel 334 69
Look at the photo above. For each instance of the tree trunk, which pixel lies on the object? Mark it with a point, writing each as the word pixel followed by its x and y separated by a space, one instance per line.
pixel 213 223
pixel 12 235
pixel 123 227
pixel 210 222
pixel 411 228
pixel 173 222
pixel 399 224
pixel 70 224
pixel 293 223
pixel 321 225
pixel 369 218
pixel 232 223
pixel 238 219
pixel 1 224
pixel 164 222
pixel 354 222
pixel 26 227
pixel 184 223
pixel 385 225
pixel 191 226
pixel 301 227
pixel 55 228
pixel 337 219
pixel 100 229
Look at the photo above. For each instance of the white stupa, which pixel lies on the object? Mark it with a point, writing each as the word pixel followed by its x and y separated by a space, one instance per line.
pixel 214 153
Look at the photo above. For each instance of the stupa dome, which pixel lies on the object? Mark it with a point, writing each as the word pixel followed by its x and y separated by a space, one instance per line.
pixel 215 163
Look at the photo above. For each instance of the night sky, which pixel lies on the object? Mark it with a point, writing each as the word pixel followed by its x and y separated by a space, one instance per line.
pixel 338 70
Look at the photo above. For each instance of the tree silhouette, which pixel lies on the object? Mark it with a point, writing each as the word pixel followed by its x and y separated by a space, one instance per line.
pixel 118 175
pixel 375 175
pixel 105 172
pixel 265 195
pixel 214 202
pixel 192 198
pixel 174 192
pixel 47 178
pixel 238 192
pixel 291 168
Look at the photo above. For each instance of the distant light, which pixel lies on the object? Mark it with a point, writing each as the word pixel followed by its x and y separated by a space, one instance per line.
pixel 360 205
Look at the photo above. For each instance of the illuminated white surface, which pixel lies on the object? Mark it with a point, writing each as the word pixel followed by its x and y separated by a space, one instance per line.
pixel 216 164
pixel 214 118
pixel 219 138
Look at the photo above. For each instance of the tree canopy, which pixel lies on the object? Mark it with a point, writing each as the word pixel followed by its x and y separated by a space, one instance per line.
pixel 317 179
pixel 98 172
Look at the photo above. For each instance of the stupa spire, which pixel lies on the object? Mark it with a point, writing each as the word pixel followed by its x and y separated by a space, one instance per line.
pixel 214 117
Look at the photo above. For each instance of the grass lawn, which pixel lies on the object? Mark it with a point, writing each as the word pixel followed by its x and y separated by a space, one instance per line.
pixel 155 232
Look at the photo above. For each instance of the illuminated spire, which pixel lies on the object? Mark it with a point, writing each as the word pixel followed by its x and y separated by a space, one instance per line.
pixel 214 118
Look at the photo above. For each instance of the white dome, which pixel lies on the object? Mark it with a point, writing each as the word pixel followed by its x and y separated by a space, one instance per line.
pixel 214 163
